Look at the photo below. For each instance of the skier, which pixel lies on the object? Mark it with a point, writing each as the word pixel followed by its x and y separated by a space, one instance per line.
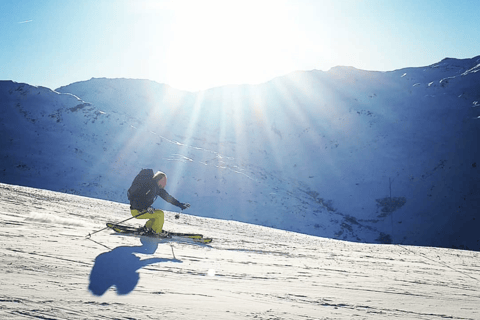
pixel 144 190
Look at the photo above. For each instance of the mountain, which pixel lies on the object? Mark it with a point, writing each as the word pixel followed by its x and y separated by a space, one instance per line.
pixel 385 157
pixel 50 270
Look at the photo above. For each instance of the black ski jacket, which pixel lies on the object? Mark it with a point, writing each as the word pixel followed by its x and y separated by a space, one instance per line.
pixel 146 198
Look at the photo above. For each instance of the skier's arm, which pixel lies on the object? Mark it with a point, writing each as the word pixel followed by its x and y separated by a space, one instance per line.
pixel 165 196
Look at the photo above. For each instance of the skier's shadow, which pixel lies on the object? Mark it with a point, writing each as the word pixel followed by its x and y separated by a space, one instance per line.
pixel 119 266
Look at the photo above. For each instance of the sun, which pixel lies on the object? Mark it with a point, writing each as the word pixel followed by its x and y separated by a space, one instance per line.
pixel 216 43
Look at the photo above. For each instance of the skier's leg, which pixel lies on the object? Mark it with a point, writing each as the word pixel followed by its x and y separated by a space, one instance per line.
pixel 146 215
pixel 149 224
pixel 136 214
pixel 156 219
pixel 157 224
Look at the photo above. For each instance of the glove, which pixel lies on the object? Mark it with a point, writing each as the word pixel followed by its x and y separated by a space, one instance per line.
pixel 150 210
pixel 184 206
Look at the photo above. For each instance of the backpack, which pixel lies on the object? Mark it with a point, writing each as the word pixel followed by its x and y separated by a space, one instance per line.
pixel 141 184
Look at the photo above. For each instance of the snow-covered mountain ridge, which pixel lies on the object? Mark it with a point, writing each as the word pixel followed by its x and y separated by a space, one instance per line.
pixel 348 154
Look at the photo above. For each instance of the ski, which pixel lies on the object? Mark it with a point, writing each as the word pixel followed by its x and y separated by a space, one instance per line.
pixel 164 235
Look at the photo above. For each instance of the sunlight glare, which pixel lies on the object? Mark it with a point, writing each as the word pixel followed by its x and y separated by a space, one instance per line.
pixel 223 42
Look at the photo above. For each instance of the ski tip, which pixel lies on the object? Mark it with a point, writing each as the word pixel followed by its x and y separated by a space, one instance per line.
pixel 203 240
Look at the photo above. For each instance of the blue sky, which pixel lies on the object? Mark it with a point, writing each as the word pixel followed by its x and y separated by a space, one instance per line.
pixel 194 45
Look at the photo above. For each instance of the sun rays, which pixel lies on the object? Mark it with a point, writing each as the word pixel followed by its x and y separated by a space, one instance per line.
pixel 226 143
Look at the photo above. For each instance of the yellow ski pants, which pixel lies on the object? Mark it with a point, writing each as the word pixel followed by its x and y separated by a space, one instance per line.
pixel 155 221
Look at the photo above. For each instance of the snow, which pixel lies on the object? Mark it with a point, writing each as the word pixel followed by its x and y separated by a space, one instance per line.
pixel 311 152
pixel 48 265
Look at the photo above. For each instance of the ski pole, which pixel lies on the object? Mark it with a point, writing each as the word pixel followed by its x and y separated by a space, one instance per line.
pixel 90 234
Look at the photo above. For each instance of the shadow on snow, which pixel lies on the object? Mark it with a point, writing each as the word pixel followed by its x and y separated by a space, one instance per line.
pixel 119 267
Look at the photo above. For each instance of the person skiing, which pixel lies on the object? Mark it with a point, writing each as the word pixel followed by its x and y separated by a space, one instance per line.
pixel 144 191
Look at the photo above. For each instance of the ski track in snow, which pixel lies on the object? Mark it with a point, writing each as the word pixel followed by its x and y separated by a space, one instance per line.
pixel 249 271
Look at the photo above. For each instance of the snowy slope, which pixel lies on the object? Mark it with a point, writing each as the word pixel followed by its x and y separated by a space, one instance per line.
pixel 348 154
pixel 51 271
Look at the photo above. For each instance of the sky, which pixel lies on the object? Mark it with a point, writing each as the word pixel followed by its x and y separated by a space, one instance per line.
pixel 195 45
